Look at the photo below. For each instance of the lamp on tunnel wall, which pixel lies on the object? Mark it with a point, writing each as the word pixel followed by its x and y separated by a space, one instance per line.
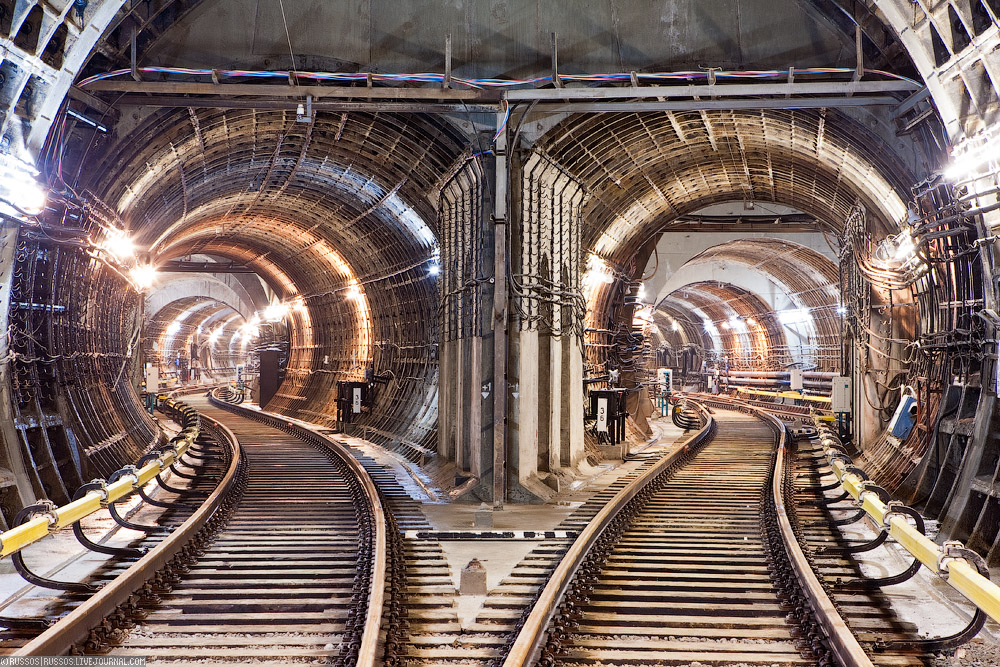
pixel 20 192
pixel 975 156
pixel 275 312
pixel 143 276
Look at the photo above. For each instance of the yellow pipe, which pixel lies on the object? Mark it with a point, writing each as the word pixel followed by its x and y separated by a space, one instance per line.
pixel 15 539
pixel 69 514
pixel 21 536
pixel 785 394
pixel 960 573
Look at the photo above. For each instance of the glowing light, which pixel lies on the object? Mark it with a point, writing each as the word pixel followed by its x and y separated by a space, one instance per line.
pixel 18 187
pixel 841 310
pixel 905 249
pixel 724 326
pixel 298 304
pixel 275 312
pixel 643 316
pixel 173 327
pixel 215 335
pixel 143 276
pixel 794 316
pixel 675 326
pixel 641 294
pixel 598 272
pixel 975 156
pixel 353 291
pixel 118 244
pixel 434 269
pixel 751 322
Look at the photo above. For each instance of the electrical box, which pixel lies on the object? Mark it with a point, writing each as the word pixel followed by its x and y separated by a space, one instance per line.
pixel 904 418
pixel 607 407
pixel 840 397
pixel 795 378
pixel 352 397
pixel 665 379
pixel 152 378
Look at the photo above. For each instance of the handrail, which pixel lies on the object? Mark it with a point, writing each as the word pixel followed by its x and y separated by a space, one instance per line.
pixel 76 625
pixel 368 654
pixel 950 561
pixel 131 479
pixel 528 643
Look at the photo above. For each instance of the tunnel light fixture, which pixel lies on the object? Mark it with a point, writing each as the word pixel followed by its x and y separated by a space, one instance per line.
pixel 905 249
pixel 841 310
pixel 353 291
pixel 143 276
pixel 643 316
pixel 173 327
pixel 598 272
pixel 975 156
pixel 275 312
pixel 216 335
pixel 434 269
pixel 751 322
pixel 118 244
pixel 20 192
pixel 675 326
pixel 794 316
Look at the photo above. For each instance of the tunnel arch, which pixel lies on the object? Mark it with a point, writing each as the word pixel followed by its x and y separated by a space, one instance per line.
pixel 334 215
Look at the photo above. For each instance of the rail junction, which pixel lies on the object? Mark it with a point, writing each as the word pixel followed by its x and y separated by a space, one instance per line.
pixel 279 546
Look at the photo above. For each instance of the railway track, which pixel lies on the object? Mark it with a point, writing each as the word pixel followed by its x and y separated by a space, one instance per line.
pixel 689 565
pixel 288 567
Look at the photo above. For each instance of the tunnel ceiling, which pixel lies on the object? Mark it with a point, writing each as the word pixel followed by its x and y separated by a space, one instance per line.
pixel 502 39
pixel 644 171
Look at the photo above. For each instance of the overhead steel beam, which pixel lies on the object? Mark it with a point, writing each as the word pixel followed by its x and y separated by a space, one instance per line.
pixel 203 267
pixel 297 92
pixel 724 104
pixel 203 102
pixel 713 91
pixel 566 107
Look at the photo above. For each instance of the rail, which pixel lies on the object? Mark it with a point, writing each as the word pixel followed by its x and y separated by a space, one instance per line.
pixel 368 653
pixel 130 479
pixel 528 644
pixel 75 626
pixel 841 640
pixel 961 567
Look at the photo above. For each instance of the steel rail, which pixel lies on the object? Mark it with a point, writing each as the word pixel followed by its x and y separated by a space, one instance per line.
pixel 841 640
pixel 368 654
pixel 75 626
pixel 132 479
pixel 528 644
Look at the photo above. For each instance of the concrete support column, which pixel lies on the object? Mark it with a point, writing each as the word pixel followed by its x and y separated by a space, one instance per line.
pixel 546 265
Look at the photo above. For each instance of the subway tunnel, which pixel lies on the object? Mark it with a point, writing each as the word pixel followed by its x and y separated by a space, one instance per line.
pixel 483 213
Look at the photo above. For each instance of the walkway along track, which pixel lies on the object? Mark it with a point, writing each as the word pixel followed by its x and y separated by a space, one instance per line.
pixel 695 561
pixel 286 563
